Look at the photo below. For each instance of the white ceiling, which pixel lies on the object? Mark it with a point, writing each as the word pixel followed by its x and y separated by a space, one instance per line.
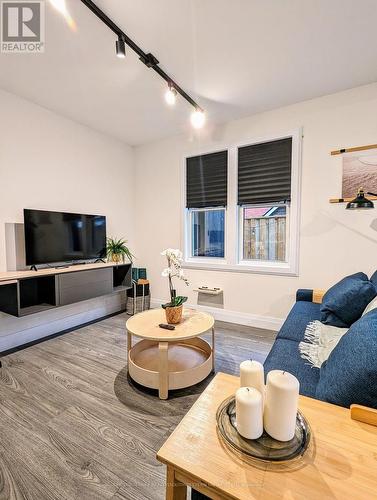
pixel 236 57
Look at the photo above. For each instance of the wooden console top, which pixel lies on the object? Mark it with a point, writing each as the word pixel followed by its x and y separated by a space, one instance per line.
pixel 18 275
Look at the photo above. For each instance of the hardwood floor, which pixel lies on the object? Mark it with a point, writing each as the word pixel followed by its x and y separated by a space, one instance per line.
pixel 72 426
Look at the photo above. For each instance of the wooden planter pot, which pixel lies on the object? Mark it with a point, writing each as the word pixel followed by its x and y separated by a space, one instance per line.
pixel 173 315
pixel 117 258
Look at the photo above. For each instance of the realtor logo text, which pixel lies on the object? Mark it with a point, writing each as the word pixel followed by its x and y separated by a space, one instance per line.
pixel 22 27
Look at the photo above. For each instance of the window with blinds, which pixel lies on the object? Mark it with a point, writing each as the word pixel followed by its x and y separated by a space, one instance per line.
pixel 250 224
pixel 207 180
pixel 264 172
pixel 206 201
pixel 264 191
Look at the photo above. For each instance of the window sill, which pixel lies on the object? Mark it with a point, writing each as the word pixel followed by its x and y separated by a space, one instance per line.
pixel 268 268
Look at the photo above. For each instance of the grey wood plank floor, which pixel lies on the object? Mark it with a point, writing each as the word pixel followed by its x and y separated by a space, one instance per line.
pixel 73 426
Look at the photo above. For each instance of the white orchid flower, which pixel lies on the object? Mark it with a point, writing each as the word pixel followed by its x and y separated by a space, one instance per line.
pixel 167 252
pixel 174 257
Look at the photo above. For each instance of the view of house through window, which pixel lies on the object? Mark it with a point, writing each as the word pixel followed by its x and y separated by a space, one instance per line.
pixel 264 233
pixel 207 237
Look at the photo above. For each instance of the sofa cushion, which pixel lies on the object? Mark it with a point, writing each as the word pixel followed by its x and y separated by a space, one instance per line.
pixel 372 305
pixel 297 320
pixel 344 303
pixel 350 374
pixel 285 355
pixel 373 279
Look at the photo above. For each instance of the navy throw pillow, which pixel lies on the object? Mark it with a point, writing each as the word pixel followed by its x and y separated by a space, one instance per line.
pixel 344 303
pixel 350 374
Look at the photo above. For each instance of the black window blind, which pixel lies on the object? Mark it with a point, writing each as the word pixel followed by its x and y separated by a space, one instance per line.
pixel 207 180
pixel 264 172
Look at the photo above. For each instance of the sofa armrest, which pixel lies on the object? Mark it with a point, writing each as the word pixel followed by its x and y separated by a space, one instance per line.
pixel 307 295
pixel 364 414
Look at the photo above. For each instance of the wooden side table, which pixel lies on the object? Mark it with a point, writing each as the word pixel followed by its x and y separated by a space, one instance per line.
pixel 170 359
pixel 339 464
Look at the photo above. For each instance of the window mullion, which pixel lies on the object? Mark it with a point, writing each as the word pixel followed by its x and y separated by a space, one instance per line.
pixel 231 229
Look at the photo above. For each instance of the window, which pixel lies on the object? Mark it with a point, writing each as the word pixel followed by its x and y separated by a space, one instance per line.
pixel 242 207
pixel 264 194
pixel 264 232
pixel 208 228
pixel 206 200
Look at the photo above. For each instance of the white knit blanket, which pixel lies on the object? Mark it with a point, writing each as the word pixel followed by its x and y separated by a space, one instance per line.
pixel 320 340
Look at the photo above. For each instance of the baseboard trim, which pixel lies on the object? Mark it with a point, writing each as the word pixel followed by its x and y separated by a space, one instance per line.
pixel 239 318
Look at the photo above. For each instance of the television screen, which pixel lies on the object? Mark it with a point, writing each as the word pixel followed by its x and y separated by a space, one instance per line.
pixel 62 237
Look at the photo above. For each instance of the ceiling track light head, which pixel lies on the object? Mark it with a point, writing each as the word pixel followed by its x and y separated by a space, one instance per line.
pixel 198 118
pixel 171 95
pixel 120 45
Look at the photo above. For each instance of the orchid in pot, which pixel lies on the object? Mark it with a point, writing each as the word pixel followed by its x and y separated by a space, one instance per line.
pixel 173 309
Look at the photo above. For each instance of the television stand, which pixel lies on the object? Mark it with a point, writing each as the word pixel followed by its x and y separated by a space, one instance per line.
pixel 33 268
pixel 99 260
pixel 25 292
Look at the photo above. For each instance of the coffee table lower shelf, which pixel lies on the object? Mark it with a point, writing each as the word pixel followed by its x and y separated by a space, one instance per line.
pixel 170 365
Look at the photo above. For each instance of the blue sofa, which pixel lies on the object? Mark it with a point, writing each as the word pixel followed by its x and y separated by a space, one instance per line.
pixel 285 354
pixel 349 375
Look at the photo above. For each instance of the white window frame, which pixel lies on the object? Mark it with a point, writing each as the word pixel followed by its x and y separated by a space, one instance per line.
pixel 233 261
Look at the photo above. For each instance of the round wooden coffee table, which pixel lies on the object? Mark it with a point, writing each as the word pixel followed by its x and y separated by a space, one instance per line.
pixel 170 359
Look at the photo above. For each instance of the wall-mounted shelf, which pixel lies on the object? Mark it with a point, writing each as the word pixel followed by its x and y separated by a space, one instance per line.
pixel 209 291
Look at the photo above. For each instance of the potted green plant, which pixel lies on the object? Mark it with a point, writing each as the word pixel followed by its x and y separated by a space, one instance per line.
pixel 117 250
pixel 173 309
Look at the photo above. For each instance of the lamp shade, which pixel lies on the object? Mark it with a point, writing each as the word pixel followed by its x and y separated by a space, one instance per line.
pixel 360 202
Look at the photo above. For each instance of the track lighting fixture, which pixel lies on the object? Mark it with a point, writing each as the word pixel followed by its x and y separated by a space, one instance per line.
pixel 198 118
pixel 171 95
pixel 121 47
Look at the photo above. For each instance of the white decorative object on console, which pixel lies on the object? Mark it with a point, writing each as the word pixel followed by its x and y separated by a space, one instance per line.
pixel 281 402
pixel 249 412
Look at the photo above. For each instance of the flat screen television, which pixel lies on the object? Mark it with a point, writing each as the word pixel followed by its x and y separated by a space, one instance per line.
pixel 63 237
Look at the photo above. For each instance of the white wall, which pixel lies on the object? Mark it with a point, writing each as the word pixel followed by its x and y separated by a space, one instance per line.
pixel 334 242
pixel 50 162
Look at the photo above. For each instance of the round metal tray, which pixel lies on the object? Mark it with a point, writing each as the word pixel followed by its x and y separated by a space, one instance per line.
pixel 265 448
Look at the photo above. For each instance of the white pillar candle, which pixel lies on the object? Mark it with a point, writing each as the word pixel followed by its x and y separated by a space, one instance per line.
pixel 280 407
pixel 249 412
pixel 252 375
